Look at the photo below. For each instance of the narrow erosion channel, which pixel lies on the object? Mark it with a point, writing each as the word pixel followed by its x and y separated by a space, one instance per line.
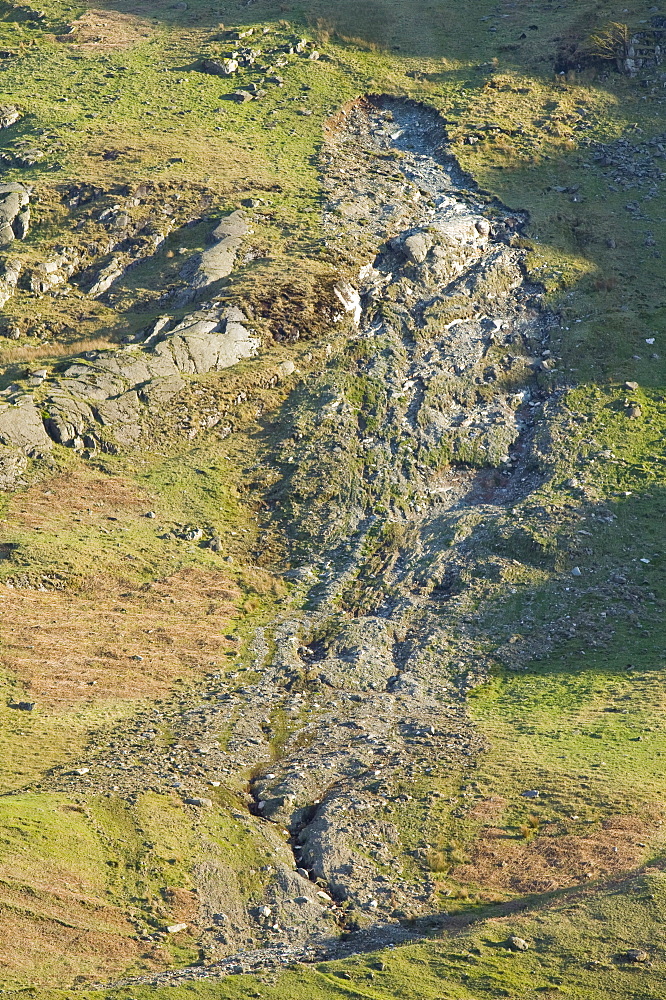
pixel 451 336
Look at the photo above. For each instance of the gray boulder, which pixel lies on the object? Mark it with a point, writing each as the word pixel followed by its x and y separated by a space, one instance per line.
pixel 416 247
pixel 9 280
pixel 14 212
pixel 12 466
pixel 223 67
pixel 21 426
pixel 105 278
pixel 218 261
pixel 9 115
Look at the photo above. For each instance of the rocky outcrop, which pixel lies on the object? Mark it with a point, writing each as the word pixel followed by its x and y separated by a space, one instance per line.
pixel 218 260
pixel 109 393
pixel 9 280
pixel 14 212
pixel 104 278
pixel 223 67
pixel 53 273
pixel 9 115
pixel 645 49
pixel 21 424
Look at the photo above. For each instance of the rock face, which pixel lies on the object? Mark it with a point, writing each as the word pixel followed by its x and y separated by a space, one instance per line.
pixel 105 398
pixel 105 278
pixel 9 280
pixel 217 262
pixel 21 424
pixel 202 345
pixel 115 390
pixel 14 212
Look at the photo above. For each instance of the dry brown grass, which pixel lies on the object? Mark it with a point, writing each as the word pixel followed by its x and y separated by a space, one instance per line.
pixel 550 861
pixel 108 638
pixel 65 927
pixel 110 643
pixel 107 31
pixel 43 351
pixel 183 904
pixel 73 492
pixel 49 943
pixel 488 809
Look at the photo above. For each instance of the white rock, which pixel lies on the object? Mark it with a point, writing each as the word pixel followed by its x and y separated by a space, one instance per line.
pixel 350 299
pixel 175 928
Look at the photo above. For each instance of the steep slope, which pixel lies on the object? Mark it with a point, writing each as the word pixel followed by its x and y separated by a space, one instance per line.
pixel 332 475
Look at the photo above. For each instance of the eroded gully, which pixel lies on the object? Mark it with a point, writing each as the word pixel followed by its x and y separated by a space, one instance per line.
pixel 371 678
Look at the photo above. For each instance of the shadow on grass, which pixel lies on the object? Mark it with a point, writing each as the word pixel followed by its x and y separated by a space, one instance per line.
pixel 530 903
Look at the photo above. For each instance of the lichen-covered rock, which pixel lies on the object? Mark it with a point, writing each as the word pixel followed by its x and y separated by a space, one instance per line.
pixel 105 278
pixel 220 67
pixel 461 229
pixel 13 462
pixel 123 415
pixel 218 260
pixel 111 389
pixel 52 273
pixel 68 418
pixel 9 280
pixel 21 425
pixel 14 212
pixel 201 345
pixel 416 247
pixel 9 115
